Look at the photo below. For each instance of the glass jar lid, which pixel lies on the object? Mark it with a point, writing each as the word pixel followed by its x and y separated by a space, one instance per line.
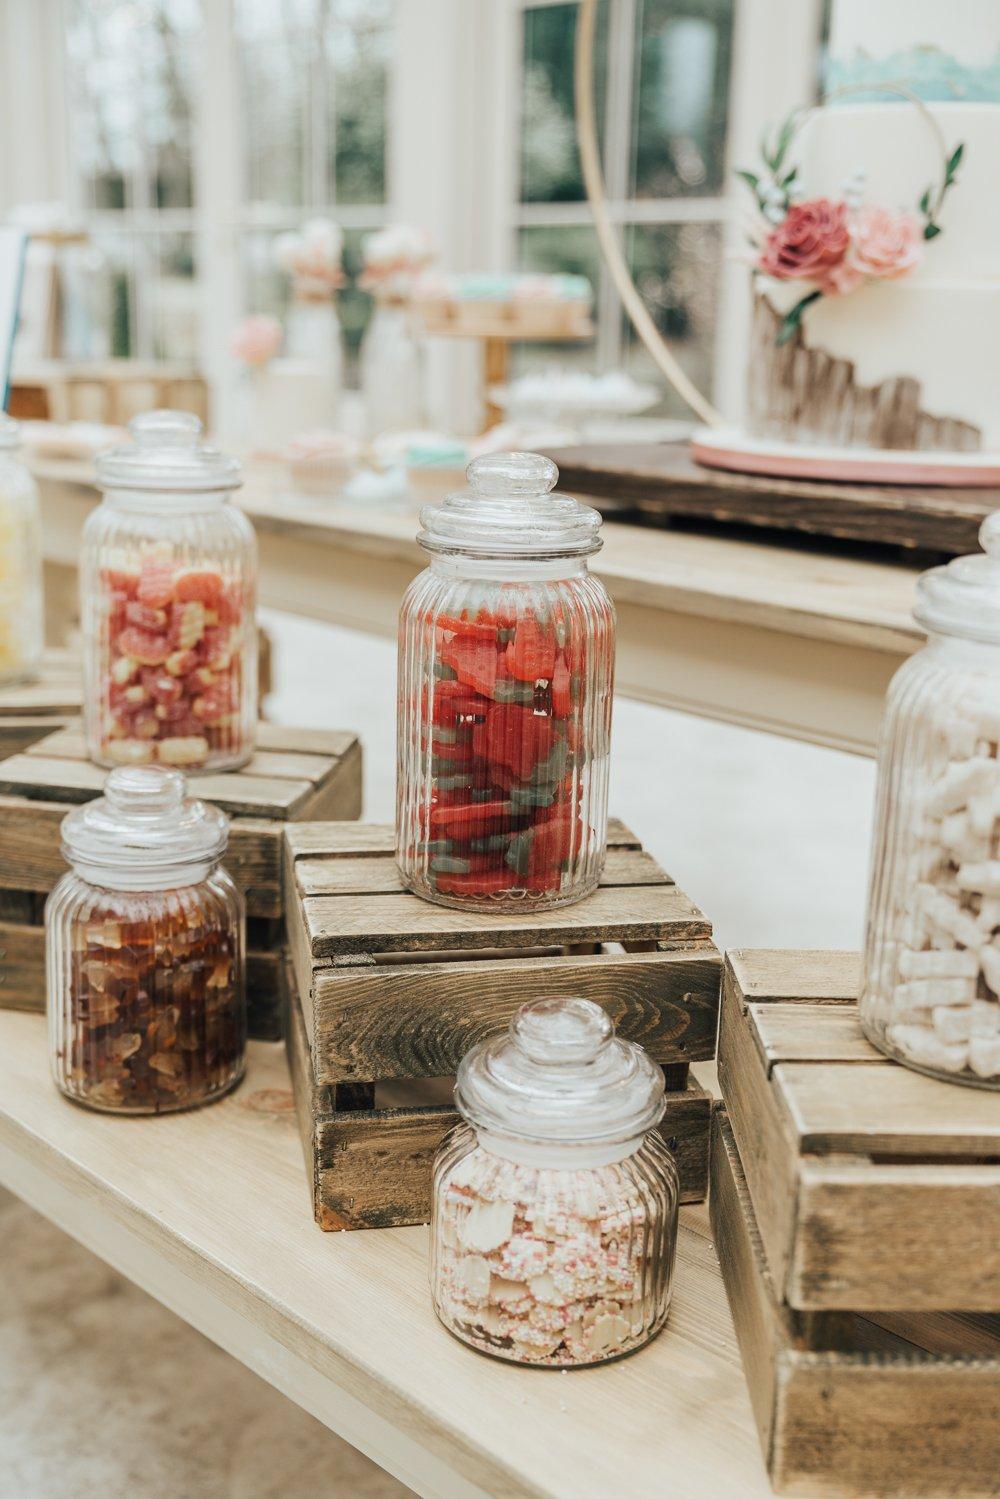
pixel 10 431
pixel 560 1075
pixel 167 453
pixel 511 511
pixel 963 597
pixel 142 829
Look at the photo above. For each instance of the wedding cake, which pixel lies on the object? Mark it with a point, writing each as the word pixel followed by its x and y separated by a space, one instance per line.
pixel 876 261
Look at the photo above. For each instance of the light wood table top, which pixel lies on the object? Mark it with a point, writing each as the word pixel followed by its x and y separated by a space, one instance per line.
pixel 797 641
pixel 209 1212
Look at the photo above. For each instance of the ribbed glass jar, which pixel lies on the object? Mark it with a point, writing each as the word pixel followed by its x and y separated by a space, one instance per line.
pixel 168 576
pixel 21 598
pixel 554 1217
pixel 145 952
pixel 506 672
pixel 931 986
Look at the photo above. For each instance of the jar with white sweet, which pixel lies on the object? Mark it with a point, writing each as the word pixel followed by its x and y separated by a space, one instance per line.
pixel 554 1218
pixel 931 989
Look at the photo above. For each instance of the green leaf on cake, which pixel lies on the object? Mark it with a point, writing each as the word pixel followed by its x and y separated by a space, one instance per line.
pixel 793 318
pixel 953 162
pixel 931 231
pixel 750 178
pixel 925 201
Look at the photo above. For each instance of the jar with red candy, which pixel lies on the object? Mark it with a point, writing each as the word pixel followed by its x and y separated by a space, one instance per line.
pixel 168 572
pixel 506 667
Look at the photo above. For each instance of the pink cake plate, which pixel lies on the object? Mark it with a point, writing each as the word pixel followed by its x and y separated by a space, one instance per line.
pixel 730 448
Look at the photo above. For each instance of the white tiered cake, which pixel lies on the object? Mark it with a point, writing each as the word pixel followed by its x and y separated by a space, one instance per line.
pixel 876 322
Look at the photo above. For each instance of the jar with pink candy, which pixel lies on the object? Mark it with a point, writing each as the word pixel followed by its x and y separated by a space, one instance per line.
pixel 168 572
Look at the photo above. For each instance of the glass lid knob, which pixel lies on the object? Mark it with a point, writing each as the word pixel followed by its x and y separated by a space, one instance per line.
pixel 512 474
pixel 562 1032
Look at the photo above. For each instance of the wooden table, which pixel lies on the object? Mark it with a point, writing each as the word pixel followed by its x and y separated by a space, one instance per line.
pixel 209 1213
pixel 800 643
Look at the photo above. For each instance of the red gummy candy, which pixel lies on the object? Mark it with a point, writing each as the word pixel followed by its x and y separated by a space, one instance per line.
pixel 198 587
pixel 531 655
pixel 161 686
pixel 562 697
pixel 517 738
pixel 551 845
pixel 145 617
pixel 485 883
pixel 148 649
pixel 469 817
pixel 474 662
pixel 481 628
pixel 117 581
pixel 156 583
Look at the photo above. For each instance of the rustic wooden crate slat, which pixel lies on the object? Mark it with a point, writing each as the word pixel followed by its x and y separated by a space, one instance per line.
pixel 417 1020
pixel 371 1168
pixel 368 874
pixel 31 710
pixel 391 991
pixel 384 923
pixel 880 1416
pixel 872 1186
pixel 341 841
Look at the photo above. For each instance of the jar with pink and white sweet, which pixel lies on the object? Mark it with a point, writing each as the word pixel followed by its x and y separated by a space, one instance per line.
pixel 168 572
pixel 554 1218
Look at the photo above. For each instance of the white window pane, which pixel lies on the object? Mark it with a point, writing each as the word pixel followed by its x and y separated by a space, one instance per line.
pixel 550 162
pixel 276 97
pixel 683 63
pixel 358 50
pixel 677 268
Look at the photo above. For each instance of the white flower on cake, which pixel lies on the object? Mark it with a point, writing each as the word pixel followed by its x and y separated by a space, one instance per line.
pixel 312 256
pixel 833 245
pixel 393 258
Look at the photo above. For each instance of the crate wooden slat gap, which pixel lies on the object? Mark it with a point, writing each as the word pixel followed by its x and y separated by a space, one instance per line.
pixel 391 989
pixel 854 1404
pixel 31 710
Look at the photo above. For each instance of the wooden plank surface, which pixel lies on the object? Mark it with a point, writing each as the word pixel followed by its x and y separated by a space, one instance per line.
pixel 418 1020
pixel 385 923
pixel 378 875
pixel 217 1225
pixel 317 839
pixel 843 1108
pixel 849 1423
pixel 659 480
pixel 804 1032
pixel 789 974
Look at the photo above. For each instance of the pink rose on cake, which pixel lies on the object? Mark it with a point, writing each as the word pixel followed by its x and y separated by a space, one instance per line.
pixel 809 244
pixel 885 245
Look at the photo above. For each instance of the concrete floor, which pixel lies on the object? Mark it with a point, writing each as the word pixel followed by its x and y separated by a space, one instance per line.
pixel 104 1392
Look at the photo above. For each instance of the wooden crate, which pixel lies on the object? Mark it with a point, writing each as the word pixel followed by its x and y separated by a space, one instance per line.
pixel 873 1186
pixel 851 1404
pixel 30 710
pixel 295 773
pixel 391 991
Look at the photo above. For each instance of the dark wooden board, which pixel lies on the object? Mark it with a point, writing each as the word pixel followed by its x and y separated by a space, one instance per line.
pixel 867 1411
pixel 660 480
pixel 371 1168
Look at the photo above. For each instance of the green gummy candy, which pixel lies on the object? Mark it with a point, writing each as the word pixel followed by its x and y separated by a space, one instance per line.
pixel 541 795
pixel 445 672
pixel 507 690
pixel 443 767
pixel 450 783
pixel 519 852
pixel 448 864
pixel 491 844
pixel 548 771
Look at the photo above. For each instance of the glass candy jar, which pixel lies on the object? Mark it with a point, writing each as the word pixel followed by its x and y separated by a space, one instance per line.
pixel 506 667
pixel 145 951
pixel 21 599
pixel 168 573
pixel 931 988
pixel 554 1216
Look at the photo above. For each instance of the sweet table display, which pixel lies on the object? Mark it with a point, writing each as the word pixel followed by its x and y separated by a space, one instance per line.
pixel 506 665
pixel 554 1217
pixel 168 573
pixel 856 1214
pixel 931 995
pixel 21 602
pixel 145 941
pixel 877 303
pixel 295 774
pixel 389 991
pixel 505 309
